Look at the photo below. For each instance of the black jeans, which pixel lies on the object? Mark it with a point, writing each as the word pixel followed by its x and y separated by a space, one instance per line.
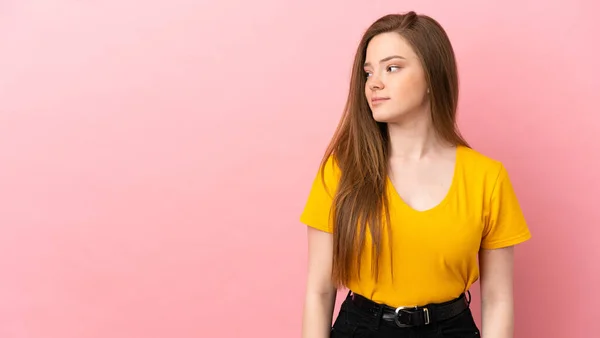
pixel 353 322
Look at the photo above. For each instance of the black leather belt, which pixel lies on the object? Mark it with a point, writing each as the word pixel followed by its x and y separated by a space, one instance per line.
pixel 415 315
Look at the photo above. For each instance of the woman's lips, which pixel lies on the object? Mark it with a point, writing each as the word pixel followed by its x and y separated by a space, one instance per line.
pixel 378 100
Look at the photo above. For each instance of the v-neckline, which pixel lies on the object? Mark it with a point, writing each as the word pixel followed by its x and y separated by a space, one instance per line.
pixel 447 196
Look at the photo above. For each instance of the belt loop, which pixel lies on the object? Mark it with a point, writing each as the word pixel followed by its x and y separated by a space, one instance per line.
pixel 379 317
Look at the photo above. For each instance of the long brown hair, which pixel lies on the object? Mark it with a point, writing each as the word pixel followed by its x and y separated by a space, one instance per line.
pixel 360 145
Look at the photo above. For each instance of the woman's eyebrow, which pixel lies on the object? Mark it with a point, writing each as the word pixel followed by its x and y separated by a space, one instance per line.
pixel 387 59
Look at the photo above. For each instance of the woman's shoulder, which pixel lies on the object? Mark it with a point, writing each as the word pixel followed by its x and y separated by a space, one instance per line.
pixel 477 163
pixel 329 167
pixel 328 173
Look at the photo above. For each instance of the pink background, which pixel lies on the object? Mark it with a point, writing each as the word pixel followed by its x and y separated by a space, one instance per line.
pixel 155 156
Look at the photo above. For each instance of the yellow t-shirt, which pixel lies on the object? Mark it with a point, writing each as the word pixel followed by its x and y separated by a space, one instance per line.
pixel 435 252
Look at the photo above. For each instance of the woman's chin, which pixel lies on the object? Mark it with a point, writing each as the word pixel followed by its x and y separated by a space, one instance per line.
pixel 385 118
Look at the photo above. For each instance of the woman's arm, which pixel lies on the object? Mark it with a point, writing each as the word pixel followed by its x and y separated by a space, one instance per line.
pixel 496 282
pixel 320 291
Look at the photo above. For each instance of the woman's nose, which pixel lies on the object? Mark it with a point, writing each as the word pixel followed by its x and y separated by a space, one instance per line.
pixel 376 84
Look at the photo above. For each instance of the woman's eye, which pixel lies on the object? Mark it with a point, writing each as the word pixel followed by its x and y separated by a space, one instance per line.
pixel 367 74
pixel 393 68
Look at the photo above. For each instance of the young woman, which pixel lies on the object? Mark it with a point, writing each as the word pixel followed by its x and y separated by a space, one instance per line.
pixel 403 212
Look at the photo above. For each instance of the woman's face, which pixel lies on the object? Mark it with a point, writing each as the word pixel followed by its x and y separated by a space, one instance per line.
pixel 396 85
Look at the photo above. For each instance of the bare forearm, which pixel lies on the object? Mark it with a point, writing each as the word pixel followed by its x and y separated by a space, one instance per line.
pixel 497 319
pixel 318 313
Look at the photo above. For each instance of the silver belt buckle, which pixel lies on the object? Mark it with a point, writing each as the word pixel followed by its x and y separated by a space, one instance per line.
pixel 401 308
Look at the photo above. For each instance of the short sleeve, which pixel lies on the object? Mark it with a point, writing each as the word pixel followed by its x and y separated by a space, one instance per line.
pixel 506 225
pixel 317 209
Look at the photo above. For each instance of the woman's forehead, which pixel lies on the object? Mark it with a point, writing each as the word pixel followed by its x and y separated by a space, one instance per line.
pixel 388 44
